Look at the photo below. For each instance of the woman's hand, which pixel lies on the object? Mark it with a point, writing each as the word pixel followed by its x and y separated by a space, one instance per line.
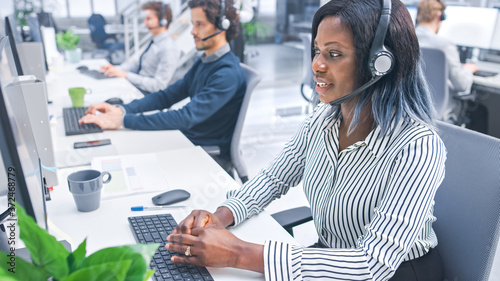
pixel 200 218
pixel 216 247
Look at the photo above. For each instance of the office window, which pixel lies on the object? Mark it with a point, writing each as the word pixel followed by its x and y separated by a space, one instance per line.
pixel 122 4
pixel 104 7
pixel 79 8
pixel 58 8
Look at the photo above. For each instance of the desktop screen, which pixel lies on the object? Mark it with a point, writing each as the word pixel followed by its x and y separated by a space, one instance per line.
pixel 413 13
pixel 495 41
pixel 469 26
pixel 17 143
pixel 12 32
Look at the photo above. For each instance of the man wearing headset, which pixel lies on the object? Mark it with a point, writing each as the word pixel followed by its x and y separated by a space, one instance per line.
pixel 155 67
pixel 429 17
pixel 215 84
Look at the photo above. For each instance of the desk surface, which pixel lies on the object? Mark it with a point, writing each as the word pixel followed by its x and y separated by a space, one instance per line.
pixel 122 141
pixel 190 169
pixel 490 84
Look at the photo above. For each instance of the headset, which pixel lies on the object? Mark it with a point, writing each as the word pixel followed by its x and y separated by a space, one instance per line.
pixel 443 15
pixel 381 59
pixel 221 22
pixel 162 20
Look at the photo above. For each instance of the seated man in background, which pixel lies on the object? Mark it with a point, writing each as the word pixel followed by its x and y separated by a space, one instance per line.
pixel 215 83
pixel 429 17
pixel 157 64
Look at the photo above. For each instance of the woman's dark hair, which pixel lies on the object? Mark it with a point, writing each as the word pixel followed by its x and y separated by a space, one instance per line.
pixel 404 90
pixel 156 6
pixel 211 9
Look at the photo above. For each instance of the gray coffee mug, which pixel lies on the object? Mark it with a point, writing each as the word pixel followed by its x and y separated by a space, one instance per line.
pixel 86 188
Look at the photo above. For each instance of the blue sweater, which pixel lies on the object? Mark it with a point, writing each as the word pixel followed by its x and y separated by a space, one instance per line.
pixel 216 90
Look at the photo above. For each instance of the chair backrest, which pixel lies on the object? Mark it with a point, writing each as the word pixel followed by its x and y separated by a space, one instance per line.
pixel 96 24
pixel 468 204
pixel 253 78
pixel 436 73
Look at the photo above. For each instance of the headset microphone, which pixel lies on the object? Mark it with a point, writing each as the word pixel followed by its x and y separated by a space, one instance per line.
pixel 381 60
pixel 208 37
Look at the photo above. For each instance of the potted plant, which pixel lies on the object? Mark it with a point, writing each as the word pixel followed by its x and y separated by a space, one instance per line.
pixel 68 41
pixel 51 261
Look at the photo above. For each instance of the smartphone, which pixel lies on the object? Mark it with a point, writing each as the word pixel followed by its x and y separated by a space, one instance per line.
pixel 85 144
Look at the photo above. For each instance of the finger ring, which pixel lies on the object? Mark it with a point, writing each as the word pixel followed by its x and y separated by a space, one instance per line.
pixel 188 251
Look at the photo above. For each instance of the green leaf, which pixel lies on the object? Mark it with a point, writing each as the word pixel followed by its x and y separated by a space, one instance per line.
pixel 19 269
pixel 139 254
pixel 76 258
pixel 67 40
pixel 108 271
pixel 148 274
pixel 45 251
pixel 4 276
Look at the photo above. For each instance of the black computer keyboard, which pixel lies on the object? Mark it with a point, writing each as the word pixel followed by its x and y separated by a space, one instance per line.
pixel 71 115
pixel 483 73
pixel 155 229
pixel 94 74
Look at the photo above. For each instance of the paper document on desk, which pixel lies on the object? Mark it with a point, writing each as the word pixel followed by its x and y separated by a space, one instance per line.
pixel 131 174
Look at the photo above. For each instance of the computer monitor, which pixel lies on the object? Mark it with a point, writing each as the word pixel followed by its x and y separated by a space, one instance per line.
pixel 495 41
pixel 17 144
pixel 469 26
pixel 413 13
pixel 12 32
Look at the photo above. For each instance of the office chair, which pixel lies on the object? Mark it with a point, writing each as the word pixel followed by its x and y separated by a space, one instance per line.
pixel 253 78
pixel 100 37
pixel 436 72
pixel 467 204
pixel 307 85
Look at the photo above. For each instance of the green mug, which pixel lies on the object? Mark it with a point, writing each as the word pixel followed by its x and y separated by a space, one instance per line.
pixel 77 95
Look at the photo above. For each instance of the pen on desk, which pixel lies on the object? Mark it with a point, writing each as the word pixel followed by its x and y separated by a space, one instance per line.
pixel 144 208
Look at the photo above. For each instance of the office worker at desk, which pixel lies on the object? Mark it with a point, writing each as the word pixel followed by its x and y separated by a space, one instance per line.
pixel 155 67
pixel 430 14
pixel 215 83
pixel 369 159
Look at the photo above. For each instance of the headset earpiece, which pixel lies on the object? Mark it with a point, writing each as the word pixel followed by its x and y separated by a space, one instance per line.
pixel 222 22
pixel 381 59
pixel 162 20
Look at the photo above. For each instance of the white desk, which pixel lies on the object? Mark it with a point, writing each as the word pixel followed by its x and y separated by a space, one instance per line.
pixel 190 169
pixel 122 141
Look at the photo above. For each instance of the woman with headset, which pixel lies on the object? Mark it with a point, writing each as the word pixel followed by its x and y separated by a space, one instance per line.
pixel 369 159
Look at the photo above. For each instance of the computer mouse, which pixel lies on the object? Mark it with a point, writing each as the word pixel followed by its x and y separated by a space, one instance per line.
pixel 114 101
pixel 82 68
pixel 170 197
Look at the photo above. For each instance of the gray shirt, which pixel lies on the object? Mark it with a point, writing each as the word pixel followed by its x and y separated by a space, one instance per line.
pixel 459 80
pixel 158 65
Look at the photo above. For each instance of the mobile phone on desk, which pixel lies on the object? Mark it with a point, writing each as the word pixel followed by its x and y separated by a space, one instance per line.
pixel 94 143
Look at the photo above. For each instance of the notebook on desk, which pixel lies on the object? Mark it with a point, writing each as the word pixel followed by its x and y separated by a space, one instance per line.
pixel 131 174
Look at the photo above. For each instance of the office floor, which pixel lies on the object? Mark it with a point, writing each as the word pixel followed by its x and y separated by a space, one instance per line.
pixel 276 111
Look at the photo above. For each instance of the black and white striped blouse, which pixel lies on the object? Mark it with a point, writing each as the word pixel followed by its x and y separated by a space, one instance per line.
pixel 372 203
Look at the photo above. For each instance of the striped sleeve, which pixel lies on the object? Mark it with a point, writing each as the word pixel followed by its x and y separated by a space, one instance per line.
pixel 271 183
pixel 399 218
